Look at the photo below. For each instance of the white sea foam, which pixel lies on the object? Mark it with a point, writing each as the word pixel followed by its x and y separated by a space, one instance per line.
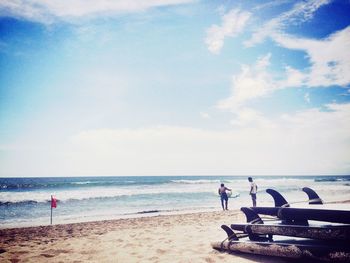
pixel 100 192
pixel 263 182
pixel 85 182
pixel 202 181
pixel 291 188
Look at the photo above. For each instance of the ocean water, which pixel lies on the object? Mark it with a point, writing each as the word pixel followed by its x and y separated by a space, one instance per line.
pixel 26 201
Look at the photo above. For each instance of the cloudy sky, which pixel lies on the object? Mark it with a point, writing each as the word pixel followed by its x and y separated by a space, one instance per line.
pixel 174 87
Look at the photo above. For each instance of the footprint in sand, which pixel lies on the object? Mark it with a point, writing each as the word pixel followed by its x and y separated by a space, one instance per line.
pixel 21 252
pixel 14 260
pixel 128 245
pixel 209 260
pixel 161 251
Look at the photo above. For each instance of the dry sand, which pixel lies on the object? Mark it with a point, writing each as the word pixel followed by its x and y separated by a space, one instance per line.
pixel 167 238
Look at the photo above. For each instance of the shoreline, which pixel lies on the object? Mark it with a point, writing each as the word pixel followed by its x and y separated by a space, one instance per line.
pixel 161 238
pixel 180 237
pixel 146 213
pixel 92 219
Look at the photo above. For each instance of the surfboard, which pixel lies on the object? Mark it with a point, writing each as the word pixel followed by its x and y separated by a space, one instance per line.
pixel 230 194
pixel 303 214
pixel 290 235
pixel 320 232
pixel 275 240
pixel 252 215
pixel 288 248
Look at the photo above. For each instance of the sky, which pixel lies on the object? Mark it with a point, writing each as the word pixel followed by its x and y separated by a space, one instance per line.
pixel 174 87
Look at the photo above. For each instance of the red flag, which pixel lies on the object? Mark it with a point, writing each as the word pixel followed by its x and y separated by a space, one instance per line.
pixel 53 201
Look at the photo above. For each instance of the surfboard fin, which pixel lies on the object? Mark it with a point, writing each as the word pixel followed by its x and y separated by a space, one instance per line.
pixel 230 234
pixel 280 201
pixel 314 199
pixel 252 216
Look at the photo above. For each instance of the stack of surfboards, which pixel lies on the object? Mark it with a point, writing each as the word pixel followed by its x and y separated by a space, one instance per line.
pixel 316 231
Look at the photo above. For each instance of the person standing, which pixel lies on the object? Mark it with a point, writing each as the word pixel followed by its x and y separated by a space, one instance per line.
pixel 223 196
pixel 253 190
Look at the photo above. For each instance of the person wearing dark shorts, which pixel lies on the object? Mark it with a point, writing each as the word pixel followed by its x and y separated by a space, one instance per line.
pixel 223 196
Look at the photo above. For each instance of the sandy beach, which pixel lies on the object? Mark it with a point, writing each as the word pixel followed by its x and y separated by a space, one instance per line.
pixel 166 238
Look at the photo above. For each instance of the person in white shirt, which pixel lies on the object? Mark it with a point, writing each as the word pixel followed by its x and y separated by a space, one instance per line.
pixel 253 190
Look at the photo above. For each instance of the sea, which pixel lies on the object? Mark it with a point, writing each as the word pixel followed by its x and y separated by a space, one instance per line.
pixel 27 201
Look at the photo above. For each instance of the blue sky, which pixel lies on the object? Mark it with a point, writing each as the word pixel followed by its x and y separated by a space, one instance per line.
pixel 174 87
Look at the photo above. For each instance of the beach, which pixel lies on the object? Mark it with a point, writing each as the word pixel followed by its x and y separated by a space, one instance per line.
pixel 138 219
pixel 163 238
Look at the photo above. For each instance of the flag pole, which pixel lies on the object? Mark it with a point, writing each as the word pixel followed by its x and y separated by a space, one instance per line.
pixel 51 210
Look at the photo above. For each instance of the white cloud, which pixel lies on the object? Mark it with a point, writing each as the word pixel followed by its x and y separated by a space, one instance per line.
pixel 301 12
pixel 232 23
pixel 204 115
pixel 307 97
pixel 329 57
pixel 308 142
pixel 253 82
pixel 48 10
pixel 293 78
pixel 250 117
pixel 330 65
pixel 271 4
